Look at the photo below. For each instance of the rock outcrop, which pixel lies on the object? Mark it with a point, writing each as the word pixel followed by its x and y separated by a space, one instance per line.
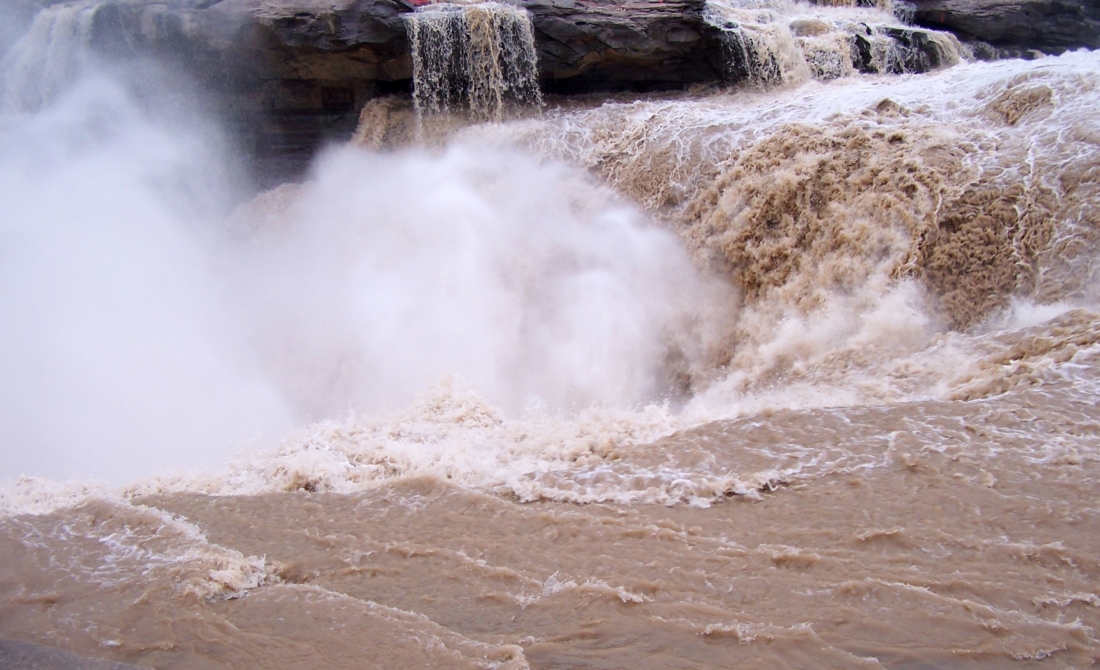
pixel 913 51
pixel 1050 26
pixel 288 74
pixel 624 45
pixel 293 74
pixel 611 44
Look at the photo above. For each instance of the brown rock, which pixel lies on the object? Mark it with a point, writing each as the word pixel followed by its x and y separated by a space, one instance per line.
pixel 1051 26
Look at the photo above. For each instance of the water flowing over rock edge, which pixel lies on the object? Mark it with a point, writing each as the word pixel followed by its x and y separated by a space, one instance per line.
pixel 292 76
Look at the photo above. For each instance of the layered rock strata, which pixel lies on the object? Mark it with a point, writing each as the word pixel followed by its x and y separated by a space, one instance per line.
pixel 295 73
pixel 1017 26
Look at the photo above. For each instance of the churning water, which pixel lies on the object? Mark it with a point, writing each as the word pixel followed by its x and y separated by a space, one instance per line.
pixel 794 377
pixel 775 42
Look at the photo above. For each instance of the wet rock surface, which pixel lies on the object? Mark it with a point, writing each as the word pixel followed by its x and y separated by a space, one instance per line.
pixel 915 51
pixel 624 45
pixel 602 45
pixel 1045 25
pixel 28 656
pixel 291 75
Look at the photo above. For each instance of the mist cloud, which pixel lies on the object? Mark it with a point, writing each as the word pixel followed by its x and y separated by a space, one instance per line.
pixel 149 326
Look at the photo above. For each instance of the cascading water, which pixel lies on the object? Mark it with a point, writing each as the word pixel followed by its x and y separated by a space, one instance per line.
pixel 771 42
pixel 480 57
pixel 48 57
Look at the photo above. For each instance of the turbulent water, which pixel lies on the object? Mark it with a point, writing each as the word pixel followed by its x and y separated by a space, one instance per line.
pixel 774 42
pixel 804 377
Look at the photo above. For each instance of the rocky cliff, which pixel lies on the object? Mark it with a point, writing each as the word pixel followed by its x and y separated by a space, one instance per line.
pixel 294 73
pixel 1050 26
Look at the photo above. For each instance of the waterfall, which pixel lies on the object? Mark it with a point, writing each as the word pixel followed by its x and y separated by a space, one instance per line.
pixel 48 57
pixel 480 57
pixel 772 42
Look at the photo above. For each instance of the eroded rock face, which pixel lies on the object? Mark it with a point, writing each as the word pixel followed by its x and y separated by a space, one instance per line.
pixel 914 51
pixel 609 44
pixel 1051 26
pixel 624 45
pixel 293 74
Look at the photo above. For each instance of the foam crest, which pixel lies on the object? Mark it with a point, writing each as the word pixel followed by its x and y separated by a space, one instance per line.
pixel 106 542
pixel 451 433
pixel 1063 349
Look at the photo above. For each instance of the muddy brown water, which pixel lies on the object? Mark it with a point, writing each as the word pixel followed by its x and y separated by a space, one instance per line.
pixel 968 542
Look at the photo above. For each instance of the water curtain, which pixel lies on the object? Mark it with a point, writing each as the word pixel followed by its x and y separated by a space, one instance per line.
pixel 48 57
pixel 478 57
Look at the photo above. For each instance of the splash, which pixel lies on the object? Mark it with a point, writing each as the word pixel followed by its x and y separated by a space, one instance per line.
pixel 355 290
pixel 907 431
pixel 474 57
pixel 875 231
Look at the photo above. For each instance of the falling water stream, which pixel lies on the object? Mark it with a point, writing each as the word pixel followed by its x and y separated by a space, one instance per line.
pixel 476 57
